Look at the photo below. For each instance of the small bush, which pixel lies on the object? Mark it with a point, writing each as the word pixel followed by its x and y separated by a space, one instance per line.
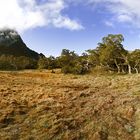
pixel 75 69
pixel 67 69
pixel 80 69
pixel 6 66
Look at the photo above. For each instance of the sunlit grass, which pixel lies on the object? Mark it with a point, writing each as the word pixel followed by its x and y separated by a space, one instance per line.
pixel 45 105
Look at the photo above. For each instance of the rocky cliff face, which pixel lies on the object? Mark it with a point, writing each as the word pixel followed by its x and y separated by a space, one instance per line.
pixel 12 44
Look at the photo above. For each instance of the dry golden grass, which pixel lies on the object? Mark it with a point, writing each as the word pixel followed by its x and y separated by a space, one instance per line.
pixel 39 105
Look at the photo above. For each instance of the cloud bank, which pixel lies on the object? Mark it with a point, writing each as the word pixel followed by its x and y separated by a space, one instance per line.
pixel 124 11
pixel 27 14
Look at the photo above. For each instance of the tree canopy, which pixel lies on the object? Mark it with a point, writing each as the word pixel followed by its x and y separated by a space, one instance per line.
pixel 109 54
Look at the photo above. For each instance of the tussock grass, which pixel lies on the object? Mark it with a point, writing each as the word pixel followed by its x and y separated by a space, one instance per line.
pixel 53 106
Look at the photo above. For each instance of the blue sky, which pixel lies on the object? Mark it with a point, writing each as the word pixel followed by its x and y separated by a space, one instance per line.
pixel 48 26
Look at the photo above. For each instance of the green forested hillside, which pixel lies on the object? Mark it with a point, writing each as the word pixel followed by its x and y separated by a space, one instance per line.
pixel 12 44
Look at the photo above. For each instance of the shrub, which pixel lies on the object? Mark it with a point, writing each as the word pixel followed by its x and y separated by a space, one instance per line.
pixel 67 69
pixel 6 66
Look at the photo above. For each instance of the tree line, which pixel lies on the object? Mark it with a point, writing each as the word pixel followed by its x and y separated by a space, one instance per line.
pixel 109 54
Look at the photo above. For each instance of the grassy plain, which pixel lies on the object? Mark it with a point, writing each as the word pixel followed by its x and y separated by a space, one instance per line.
pixel 37 105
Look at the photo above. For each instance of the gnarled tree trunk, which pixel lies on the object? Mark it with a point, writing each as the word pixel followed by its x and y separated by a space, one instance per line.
pixel 137 72
pixel 118 67
pixel 129 69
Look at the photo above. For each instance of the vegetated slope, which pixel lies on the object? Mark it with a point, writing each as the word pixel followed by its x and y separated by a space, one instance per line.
pixel 46 106
pixel 12 44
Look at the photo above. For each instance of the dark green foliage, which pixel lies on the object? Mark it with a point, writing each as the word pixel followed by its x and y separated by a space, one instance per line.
pixel 67 69
pixel 134 59
pixel 52 62
pixel 4 65
pixel 42 63
pixel 72 63
pixel 17 63
pixel 47 63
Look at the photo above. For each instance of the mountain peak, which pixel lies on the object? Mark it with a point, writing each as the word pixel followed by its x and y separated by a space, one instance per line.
pixel 8 36
pixel 12 44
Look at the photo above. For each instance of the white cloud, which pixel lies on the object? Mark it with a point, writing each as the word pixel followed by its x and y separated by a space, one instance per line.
pixel 109 24
pixel 124 18
pixel 125 11
pixel 26 14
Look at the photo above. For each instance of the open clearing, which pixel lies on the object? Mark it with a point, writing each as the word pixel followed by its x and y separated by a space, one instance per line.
pixel 51 106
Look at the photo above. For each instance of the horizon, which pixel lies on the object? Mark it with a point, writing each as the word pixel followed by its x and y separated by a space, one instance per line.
pixel 48 26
